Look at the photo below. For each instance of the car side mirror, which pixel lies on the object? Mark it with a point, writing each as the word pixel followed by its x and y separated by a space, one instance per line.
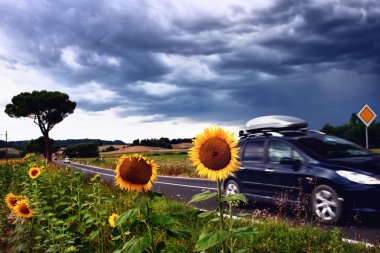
pixel 287 161
pixel 290 161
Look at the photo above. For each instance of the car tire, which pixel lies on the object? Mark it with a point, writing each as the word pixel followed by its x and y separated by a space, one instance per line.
pixel 231 187
pixel 325 204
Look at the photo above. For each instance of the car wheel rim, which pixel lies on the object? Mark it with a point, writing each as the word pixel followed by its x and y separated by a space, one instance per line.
pixel 325 205
pixel 231 189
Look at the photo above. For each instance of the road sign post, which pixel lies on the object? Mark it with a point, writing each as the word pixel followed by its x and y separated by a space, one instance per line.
pixel 366 115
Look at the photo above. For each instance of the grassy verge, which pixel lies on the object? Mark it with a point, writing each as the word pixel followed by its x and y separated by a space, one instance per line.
pixel 70 214
pixel 170 164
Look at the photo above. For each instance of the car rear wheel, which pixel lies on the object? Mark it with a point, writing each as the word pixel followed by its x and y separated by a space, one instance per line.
pixel 231 187
pixel 325 204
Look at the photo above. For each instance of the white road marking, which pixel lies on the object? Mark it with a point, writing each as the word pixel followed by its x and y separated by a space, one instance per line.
pixel 157 182
pixel 189 186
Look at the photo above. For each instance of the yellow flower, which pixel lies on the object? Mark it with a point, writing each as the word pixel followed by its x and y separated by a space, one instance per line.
pixel 34 173
pixel 15 166
pixel 135 173
pixel 22 209
pixel 11 200
pixel 43 168
pixel 35 165
pixel 112 219
pixel 215 154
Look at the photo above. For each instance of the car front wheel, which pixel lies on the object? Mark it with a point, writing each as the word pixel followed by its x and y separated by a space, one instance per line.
pixel 231 187
pixel 325 204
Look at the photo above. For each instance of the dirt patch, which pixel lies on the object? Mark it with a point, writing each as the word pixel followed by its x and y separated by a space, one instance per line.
pixel 115 146
pixel 138 149
pixel 184 145
pixel 11 150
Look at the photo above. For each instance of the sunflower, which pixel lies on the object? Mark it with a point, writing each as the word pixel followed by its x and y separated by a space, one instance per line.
pixel 43 168
pixel 135 173
pixel 22 209
pixel 34 173
pixel 112 219
pixel 11 200
pixel 15 166
pixel 35 165
pixel 215 154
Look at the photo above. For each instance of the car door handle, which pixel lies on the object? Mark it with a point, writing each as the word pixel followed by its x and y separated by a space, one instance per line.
pixel 269 170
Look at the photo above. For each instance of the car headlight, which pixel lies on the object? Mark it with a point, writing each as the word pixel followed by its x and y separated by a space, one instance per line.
pixel 358 178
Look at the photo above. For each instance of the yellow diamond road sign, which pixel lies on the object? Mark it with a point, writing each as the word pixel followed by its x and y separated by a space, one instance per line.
pixel 367 115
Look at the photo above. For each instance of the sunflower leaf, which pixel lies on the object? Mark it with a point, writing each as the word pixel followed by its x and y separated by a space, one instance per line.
pixel 202 196
pixel 234 198
pixel 129 215
pixel 179 233
pixel 208 240
pixel 244 232
pixel 205 214
pixel 136 245
pixel 163 219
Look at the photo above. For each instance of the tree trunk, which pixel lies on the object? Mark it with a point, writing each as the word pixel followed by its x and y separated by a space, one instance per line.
pixel 47 147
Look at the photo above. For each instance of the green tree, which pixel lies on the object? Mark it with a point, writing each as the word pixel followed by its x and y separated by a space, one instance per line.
pixel 46 108
pixel 38 146
pixel 82 150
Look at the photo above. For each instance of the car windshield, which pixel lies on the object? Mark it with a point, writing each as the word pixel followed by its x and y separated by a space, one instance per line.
pixel 327 146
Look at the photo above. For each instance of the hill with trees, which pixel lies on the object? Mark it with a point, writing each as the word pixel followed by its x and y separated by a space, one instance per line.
pixel 22 145
pixel 162 142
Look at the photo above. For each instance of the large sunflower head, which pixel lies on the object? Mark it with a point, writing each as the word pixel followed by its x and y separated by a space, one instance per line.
pixel 135 173
pixel 112 219
pixel 215 154
pixel 11 200
pixel 34 173
pixel 22 209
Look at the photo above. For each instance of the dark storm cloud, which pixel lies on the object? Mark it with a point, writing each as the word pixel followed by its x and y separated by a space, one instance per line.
pixel 218 67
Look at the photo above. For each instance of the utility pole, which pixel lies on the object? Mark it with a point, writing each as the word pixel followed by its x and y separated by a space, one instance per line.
pixel 6 146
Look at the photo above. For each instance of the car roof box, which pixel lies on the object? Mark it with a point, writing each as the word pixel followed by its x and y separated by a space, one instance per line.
pixel 275 123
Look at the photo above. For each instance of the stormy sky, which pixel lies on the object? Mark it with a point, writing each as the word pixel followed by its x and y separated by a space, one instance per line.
pixel 144 69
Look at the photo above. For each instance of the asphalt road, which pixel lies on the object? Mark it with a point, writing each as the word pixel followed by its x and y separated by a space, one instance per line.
pixel 366 229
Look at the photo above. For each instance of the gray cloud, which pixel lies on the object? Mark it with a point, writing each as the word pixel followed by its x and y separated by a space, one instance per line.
pixel 219 67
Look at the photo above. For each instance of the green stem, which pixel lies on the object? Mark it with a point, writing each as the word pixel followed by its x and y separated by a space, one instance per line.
pixel 220 207
pixel 231 239
pixel 150 228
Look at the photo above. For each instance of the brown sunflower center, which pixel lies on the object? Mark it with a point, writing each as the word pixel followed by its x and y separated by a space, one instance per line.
pixel 24 209
pixel 13 201
pixel 215 154
pixel 34 173
pixel 135 171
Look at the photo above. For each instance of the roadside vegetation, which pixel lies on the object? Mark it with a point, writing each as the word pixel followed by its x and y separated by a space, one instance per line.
pixel 68 212
pixel 170 164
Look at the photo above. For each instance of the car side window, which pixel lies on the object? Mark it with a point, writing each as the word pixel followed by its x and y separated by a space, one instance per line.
pixel 278 150
pixel 254 151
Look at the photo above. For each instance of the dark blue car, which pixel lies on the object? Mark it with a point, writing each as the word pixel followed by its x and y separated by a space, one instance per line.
pixel 280 157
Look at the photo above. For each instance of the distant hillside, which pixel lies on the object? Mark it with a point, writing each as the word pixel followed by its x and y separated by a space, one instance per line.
pixel 20 145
